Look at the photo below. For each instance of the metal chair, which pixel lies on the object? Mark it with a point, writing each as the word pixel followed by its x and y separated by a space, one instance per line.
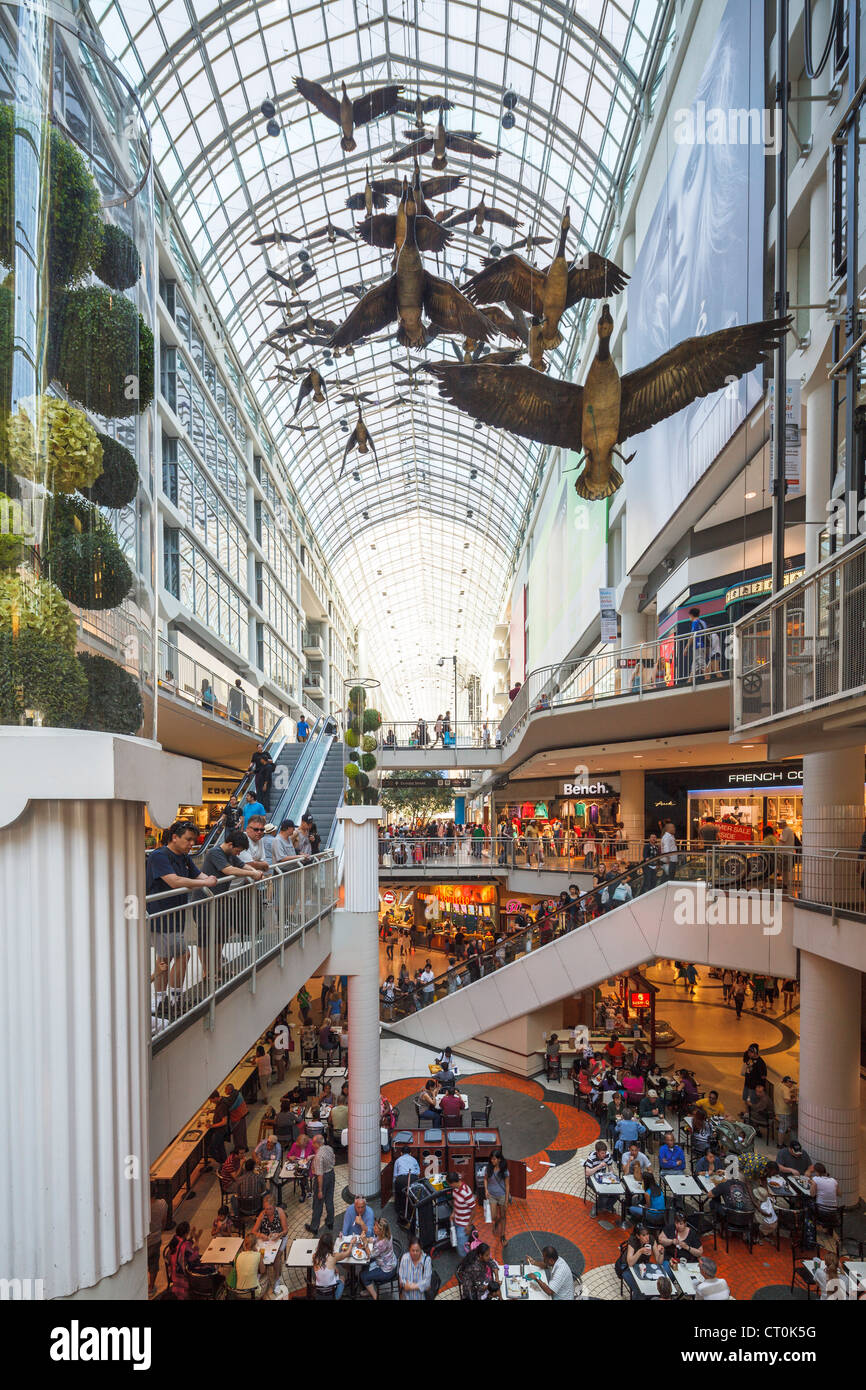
pixel 393 1277
pixel 553 1068
pixel 742 1221
pixel 481 1119
pixel 799 1273
pixel 204 1288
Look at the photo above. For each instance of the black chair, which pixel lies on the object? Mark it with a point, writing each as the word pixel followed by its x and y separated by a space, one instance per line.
pixel 249 1208
pixel 481 1119
pixel 394 1276
pixel 325 1295
pixel 553 1068
pixel 831 1219
pixel 204 1288
pixel 800 1275
pixel 742 1221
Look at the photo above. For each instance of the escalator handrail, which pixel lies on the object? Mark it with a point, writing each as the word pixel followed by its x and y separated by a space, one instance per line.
pixel 283 807
pixel 272 745
pixel 403 1004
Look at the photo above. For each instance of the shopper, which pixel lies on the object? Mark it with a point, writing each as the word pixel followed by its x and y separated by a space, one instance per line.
pixel 322 1168
pixel 167 869
pixel 262 768
pixel 235 704
pixel 303 730
pixel 252 807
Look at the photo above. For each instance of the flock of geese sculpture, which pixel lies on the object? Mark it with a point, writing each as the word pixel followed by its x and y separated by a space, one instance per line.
pixel 509 297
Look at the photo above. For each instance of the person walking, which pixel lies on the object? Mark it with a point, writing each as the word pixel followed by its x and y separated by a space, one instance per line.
pixel 322 1170
pixel 738 994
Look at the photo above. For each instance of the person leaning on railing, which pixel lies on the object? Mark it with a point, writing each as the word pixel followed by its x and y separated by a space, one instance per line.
pixel 171 867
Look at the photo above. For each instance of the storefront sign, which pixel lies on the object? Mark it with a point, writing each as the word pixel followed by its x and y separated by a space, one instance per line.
pixel 422 782
pixel 756 588
pixel 639 999
pixel 607 608
pixel 587 789
pixel 388 898
pixel 763 776
pixel 792 434
pixel 734 834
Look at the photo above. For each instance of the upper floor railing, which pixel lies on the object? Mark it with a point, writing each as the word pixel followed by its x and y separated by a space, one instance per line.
pixel 212 939
pixel 666 663
pixel 180 675
pixel 806 645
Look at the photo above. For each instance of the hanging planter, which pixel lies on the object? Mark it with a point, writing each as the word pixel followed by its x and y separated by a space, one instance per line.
pixel 117 484
pixel 371 720
pixel 118 263
pixel 113 698
pixel 15 532
pixel 83 557
pixel 50 442
pixel 74 228
pixel 102 352
pixel 29 604
pixel 40 676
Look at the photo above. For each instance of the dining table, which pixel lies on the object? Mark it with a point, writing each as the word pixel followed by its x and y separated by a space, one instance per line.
pixel 683 1185
pixel 299 1255
pixel 222 1250
pixel 520 1282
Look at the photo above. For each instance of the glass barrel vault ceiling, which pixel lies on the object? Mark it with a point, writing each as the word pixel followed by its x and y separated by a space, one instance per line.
pixel 423 554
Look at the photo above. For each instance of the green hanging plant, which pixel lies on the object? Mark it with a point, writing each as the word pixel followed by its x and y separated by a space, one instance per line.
pixel 118 263
pixel 352 738
pixel 102 352
pixel 83 557
pixel 117 484
pixel 368 762
pixel 352 771
pixel 362 780
pixel 15 532
pixel 40 674
pixel 357 701
pixel 50 442
pixel 113 698
pixel 368 743
pixel 30 604
pixel 372 719
pixel 370 796
pixel 74 228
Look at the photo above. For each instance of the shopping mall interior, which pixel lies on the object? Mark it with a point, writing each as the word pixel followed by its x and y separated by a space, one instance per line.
pixel 440 680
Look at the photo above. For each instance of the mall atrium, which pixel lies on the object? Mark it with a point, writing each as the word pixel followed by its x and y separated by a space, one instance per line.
pixel 432 683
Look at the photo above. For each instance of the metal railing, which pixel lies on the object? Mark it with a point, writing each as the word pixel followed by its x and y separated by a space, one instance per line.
pixel 804 646
pixel 755 879
pixel 464 733
pixel 224 936
pixel 181 676
pixel 448 854
pixel 667 663
pixel 312 639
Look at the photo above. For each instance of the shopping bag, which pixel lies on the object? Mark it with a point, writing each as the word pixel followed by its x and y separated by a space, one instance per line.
pixel 452 1234
pixel 488 1215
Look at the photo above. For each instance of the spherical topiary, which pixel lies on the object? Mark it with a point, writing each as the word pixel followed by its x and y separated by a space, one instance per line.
pixel 368 762
pixel 368 743
pixel 372 719
pixel 83 556
pixel 118 263
pixel 15 532
pixel 362 780
pixel 74 228
pixel 102 352
pixel 117 484
pixel 51 442
pixel 352 738
pixel 40 675
pixel 30 604
pixel 357 700
pixel 113 698
pixel 352 771
pixel 355 726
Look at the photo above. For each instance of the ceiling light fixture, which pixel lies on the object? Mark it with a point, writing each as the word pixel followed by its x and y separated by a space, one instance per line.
pixel 750 495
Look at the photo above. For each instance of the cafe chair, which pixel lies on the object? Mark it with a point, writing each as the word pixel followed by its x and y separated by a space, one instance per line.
pixel 249 1208
pixel 831 1220
pixel 205 1288
pixel 800 1275
pixel 742 1221
pixel 790 1223
pixel 480 1119
pixel 391 1283
pixel 240 1294
pixel 553 1068
pixel 325 1295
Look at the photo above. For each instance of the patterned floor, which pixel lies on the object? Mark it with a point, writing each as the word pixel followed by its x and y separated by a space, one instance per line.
pixel 554 1208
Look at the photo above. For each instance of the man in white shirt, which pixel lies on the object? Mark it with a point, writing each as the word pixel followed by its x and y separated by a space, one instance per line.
pixel 558 1283
pixel 255 855
pixel 280 847
pixel 427 978
pixel 668 848
pixel 711 1289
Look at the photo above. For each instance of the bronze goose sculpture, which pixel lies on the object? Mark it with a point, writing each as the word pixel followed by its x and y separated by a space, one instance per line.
pixel 608 409
pixel 362 440
pixel 440 141
pixel 481 213
pixel 348 114
pixel 311 384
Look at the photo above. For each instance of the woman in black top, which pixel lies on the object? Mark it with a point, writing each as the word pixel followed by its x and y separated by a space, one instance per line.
pixel 315 838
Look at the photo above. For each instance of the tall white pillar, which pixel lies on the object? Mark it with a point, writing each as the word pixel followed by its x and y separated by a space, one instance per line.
pixel 829 1113
pixel 75 1016
pixel 833 799
pixel 632 811
pixel 819 398
pixel 361 879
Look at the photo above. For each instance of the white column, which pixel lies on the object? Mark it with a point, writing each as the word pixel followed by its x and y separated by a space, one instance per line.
pixel 361 879
pixel 75 1016
pixel 833 799
pixel 829 1115
pixel 632 808
pixel 819 399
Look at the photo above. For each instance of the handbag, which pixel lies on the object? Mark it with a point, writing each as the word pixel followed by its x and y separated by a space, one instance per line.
pixel 488 1215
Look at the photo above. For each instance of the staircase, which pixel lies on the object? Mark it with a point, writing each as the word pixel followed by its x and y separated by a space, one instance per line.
pixel 327 792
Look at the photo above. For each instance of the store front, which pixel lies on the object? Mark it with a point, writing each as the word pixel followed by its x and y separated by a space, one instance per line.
pixel 449 908
pixel 215 792
pixel 586 806
pixel 742 801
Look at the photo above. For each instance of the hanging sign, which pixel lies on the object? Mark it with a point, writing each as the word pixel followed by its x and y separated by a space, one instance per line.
pixel 793 447
pixel 607 608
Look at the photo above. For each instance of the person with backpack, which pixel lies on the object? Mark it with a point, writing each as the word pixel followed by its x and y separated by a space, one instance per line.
pixel 698 646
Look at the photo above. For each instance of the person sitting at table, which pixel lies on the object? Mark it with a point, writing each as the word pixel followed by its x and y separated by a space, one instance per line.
pixel 760 1109
pixel 451 1107
pixel 793 1159
pixel 615 1107
pixel 251 1185
pixel 709 1163
pixel 599 1164
pixel 478 1275
pixel 343 1097
pixel 445 1060
pixel 711 1105
pixel 627 1129
pixel 301 1153
pixel 271 1224
pixel 765 1211
pixel 426 1102
pixel 702 1133
pixel 326 1096
pixel 651 1199
pixel 284 1123
pixel 328 1041
pixel 383 1258
pixel 833 1284
pixel 415 1273
pixel 664 1289
pixel 339 1119
pixel 632 1084
pixel 635 1162
pixel 687 1090
pixel 224 1224
pixel 640 1250
pixel 183 1257
pixel 680 1240
pixel 712 1288
pixel 672 1158
pixel 232 1168
pixel 731 1195
pixel 358 1219
pixel 268 1149
pixel 614 1050
pixel 315 1123
pixel 825 1194
pixel 325 1261
pixel 249 1267
pixel 558 1281
pixel 650 1106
